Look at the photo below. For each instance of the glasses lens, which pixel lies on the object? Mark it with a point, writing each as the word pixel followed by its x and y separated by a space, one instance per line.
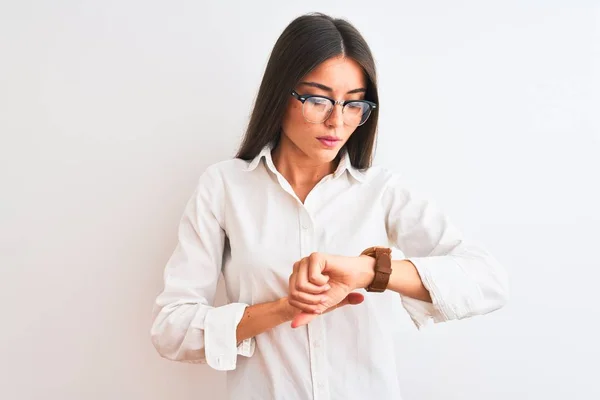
pixel 317 109
pixel 356 113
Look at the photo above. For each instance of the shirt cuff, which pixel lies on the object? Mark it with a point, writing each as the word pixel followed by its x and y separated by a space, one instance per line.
pixel 220 328
pixel 422 313
pixel 443 277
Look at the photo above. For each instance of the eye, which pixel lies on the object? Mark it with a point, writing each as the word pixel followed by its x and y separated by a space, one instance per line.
pixel 319 101
pixel 356 107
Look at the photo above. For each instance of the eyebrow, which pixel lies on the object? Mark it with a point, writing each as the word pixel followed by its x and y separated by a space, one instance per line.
pixel 328 89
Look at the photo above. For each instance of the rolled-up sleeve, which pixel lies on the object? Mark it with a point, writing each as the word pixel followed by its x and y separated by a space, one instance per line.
pixel 463 279
pixel 186 327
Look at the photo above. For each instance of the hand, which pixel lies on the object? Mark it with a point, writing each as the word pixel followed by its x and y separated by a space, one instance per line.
pixel 300 318
pixel 322 281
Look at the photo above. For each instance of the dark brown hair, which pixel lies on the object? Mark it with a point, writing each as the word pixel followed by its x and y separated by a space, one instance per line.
pixel 304 44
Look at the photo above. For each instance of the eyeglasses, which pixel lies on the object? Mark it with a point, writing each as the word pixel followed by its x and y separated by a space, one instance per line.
pixel 317 109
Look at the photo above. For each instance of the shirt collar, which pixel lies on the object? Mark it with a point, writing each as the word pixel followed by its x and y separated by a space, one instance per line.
pixel 266 153
pixel 344 165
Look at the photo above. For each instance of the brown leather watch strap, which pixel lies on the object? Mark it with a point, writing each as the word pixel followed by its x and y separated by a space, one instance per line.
pixel 383 267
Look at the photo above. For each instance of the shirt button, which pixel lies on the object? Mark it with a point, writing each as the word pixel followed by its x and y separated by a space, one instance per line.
pixel 304 220
pixel 304 223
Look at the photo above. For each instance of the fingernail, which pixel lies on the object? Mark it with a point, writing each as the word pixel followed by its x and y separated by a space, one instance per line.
pixel 327 287
pixel 324 300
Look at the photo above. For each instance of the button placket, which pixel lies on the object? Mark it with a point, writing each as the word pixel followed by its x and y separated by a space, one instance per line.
pixel 318 365
pixel 305 220
pixel 315 328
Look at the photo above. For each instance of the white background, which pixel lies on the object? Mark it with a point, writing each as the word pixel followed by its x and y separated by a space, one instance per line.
pixel 110 110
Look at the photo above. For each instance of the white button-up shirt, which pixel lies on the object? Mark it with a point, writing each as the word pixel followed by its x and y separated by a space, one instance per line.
pixel 245 221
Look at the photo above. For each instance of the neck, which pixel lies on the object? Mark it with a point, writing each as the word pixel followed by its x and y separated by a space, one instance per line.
pixel 299 170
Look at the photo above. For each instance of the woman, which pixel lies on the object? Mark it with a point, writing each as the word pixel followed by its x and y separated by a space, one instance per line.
pixel 300 224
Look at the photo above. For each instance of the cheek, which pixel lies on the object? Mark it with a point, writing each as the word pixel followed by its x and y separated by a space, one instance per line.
pixel 295 112
pixel 294 122
pixel 350 131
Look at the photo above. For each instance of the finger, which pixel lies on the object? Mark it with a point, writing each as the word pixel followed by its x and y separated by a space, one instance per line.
pixel 292 283
pixel 307 298
pixel 316 265
pixel 302 319
pixel 307 308
pixel 310 288
pixel 302 274
pixel 304 301
pixel 338 305
pixel 353 298
pixel 302 283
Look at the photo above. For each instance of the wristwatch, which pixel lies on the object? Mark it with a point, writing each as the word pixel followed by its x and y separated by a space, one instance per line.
pixel 383 267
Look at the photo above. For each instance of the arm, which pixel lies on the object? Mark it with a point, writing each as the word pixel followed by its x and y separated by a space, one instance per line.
pixel 461 278
pixel 405 278
pixel 343 275
pixel 260 318
pixel 442 277
pixel 186 327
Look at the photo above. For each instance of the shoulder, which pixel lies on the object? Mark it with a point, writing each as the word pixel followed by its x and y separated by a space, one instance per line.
pixel 382 177
pixel 226 169
pixel 224 176
pixel 232 168
pixel 392 187
pixel 215 181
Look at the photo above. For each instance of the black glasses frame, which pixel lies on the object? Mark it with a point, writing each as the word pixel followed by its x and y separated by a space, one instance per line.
pixel 302 98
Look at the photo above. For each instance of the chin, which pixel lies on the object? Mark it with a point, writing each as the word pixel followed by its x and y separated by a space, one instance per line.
pixel 325 155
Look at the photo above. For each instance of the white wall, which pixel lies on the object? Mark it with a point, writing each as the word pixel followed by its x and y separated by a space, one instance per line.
pixel 110 110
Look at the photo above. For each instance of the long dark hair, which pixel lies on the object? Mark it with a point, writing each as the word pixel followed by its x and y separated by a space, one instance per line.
pixel 304 44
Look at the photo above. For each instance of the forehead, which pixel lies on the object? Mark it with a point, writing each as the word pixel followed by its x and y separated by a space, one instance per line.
pixel 339 73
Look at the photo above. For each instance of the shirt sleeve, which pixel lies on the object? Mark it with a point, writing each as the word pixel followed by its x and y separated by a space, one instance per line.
pixel 462 278
pixel 186 327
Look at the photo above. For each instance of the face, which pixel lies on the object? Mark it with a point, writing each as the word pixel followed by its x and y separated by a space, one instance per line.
pixel 339 79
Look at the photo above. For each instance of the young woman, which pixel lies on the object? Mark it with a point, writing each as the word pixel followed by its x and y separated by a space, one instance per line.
pixel 300 224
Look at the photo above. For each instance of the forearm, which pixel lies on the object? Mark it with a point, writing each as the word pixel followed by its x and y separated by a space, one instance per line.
pixel 405 279
pixel 260 318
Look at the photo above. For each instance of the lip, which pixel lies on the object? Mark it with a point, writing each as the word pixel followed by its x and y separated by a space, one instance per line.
pixel 328 141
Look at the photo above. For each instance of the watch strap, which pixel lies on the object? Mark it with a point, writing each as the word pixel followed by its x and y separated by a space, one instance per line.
pixel 383 267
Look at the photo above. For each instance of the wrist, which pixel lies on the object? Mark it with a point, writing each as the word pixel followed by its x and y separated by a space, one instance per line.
pixel 366 271
pixel 285 310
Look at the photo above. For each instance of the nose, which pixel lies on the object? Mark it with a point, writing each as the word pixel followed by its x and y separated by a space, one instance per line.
pixel 336 119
